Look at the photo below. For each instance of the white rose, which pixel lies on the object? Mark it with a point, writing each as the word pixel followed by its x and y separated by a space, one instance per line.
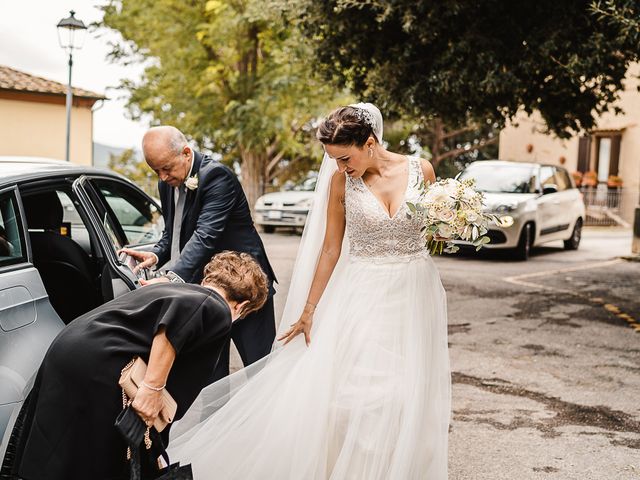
pixel 471 215
pixel 445 231
pixel 446 215
pixel 192 182
pixel 468 194
pixel 451 188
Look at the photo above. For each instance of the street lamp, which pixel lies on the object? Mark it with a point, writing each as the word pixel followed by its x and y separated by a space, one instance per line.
pixel 71 32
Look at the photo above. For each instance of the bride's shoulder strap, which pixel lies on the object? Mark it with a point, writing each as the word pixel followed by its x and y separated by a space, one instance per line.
pixel 425 170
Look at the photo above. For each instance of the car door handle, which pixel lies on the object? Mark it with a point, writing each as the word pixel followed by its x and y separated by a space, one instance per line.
pixel 557 202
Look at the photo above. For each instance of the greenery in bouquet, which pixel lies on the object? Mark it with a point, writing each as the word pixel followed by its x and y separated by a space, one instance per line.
pixel 451 210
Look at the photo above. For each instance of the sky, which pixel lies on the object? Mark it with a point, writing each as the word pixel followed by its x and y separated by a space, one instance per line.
pixel 29 42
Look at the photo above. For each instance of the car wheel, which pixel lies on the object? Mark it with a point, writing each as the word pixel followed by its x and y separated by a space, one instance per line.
pixel 8 469
pixel 574 241
pixel 524 243
pixel 268 228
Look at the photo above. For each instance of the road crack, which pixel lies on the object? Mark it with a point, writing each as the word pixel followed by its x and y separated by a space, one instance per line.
pixel 566 413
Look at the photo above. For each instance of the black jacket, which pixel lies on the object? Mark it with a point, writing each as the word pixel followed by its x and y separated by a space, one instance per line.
pixel 216 217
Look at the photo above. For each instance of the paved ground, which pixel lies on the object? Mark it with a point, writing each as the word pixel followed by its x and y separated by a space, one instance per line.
pixel 545 359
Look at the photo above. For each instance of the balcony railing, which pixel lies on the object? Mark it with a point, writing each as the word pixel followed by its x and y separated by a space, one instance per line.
pixel 607 206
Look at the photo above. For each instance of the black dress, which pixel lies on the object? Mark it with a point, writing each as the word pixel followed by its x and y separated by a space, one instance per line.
pixel 70 432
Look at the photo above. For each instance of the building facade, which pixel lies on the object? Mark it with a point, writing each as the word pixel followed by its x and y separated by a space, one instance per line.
pixel 604 161
pixel 33 118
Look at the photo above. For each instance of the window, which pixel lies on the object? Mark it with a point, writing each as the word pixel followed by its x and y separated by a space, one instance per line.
pixel 133 219
pixel 502 179
pixel 600 153
pixel 562 180
pixel 547 176
pixel 72 224
pixel 12 247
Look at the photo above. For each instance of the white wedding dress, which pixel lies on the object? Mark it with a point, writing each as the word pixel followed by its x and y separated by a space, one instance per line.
pixel 369 398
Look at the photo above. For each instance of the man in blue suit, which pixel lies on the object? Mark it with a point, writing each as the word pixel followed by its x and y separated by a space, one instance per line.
pixel 205 212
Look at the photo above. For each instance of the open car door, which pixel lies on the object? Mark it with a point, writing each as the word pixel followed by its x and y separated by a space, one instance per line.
pixel 124 216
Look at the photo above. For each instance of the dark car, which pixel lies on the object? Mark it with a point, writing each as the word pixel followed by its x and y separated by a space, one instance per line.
pixel 60 228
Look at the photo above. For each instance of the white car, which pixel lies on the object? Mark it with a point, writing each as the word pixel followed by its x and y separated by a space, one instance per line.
pixel 285 208
pixel 535 204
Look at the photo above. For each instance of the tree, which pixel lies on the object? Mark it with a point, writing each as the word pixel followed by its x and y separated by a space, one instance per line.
pixel 465 61
pixel 449 150
pixel 232 75
pixel 136 170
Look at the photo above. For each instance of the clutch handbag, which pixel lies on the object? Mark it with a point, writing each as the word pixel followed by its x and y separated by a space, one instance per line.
pixel 130 380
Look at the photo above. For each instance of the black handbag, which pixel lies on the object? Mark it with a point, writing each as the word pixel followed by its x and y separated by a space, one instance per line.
pixel 133 430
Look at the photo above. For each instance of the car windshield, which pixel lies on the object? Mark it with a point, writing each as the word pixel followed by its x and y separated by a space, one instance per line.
pixel 493 178
pixel 309 185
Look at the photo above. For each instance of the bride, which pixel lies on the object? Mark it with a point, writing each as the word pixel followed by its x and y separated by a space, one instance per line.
pixel 360 388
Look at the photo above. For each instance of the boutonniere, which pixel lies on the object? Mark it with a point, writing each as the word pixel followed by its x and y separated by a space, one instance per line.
pixel 192 182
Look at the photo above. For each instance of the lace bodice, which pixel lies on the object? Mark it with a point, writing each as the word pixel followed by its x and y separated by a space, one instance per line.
pixel 372 233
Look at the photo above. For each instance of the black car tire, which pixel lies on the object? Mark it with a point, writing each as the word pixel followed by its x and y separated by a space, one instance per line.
pixel 268 228
pixel 522 251
pixel 574 241
pixel 6 471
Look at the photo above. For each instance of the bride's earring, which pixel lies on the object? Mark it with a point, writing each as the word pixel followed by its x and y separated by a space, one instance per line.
pixel 370 153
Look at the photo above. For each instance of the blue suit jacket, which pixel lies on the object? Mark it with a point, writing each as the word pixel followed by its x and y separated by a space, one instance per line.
pixel 216 217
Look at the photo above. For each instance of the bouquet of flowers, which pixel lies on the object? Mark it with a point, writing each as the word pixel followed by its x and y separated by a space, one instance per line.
pixel 451 210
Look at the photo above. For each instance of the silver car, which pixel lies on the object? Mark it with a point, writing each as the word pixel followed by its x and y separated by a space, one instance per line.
pixel 60 228
pixel 534 203
pixel 288 208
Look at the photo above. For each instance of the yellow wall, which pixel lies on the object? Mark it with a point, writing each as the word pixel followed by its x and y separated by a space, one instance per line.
pixel 39 129
pixel 526 130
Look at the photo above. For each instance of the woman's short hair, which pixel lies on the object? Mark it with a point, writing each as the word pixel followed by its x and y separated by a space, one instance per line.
pixel 345 126
pixel 240 276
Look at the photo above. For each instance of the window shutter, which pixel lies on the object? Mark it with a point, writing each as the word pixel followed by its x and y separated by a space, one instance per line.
pixel 584 146
pixel 614 158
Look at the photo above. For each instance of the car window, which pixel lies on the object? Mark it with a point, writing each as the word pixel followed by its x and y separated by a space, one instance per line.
pixel 12 246
pixel 72 224
pixel 137 217
pixel 309 185
pixel 547 176
pixel 562 179
pixel 493 178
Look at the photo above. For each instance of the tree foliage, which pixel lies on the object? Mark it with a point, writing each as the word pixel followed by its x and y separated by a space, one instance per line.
pixel 466 61
pixel 232 75
pixel 136 170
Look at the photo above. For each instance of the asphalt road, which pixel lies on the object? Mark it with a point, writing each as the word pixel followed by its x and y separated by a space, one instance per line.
pixel 545 359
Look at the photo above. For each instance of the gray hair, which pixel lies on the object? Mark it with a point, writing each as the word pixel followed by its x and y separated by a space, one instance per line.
pixel 177 141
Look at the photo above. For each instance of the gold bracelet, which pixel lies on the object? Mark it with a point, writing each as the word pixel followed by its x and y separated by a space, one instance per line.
pixel 313 307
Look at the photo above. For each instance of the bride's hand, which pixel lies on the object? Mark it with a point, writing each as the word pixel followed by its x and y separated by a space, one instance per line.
pixel 303 325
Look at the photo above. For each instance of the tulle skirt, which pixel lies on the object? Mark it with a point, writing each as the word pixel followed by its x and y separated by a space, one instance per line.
pixel 368 399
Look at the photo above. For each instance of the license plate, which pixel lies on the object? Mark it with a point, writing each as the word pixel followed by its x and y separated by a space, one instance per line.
pixel 274 215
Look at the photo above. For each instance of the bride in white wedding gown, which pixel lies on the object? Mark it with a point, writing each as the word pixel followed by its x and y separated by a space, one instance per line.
pixel 369 396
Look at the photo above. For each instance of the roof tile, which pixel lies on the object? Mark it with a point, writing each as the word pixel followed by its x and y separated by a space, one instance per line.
pixel 11 79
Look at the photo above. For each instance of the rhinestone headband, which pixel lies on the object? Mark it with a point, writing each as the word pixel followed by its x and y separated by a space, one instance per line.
pixel 365 116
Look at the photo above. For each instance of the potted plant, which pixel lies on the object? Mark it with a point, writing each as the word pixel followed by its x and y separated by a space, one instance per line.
pixel 614 181
pixel 577 178
pixel 590 179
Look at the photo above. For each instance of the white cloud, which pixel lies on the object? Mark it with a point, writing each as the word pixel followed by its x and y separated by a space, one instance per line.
pixel 29 43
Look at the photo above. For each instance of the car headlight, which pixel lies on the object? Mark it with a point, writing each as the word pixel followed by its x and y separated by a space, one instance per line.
pixel 259 203
pixel 505 221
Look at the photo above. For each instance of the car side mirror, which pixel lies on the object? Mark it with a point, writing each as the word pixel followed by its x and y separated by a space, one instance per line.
pixel 550 188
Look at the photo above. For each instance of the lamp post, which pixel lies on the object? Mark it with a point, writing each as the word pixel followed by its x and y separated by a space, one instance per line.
pixel 71 33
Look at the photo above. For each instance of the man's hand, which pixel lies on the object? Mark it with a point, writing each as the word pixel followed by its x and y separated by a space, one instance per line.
pixel 145 259
pixel 144 282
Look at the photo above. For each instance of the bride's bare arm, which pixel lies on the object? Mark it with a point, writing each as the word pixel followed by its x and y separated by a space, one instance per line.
pixel 331 248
